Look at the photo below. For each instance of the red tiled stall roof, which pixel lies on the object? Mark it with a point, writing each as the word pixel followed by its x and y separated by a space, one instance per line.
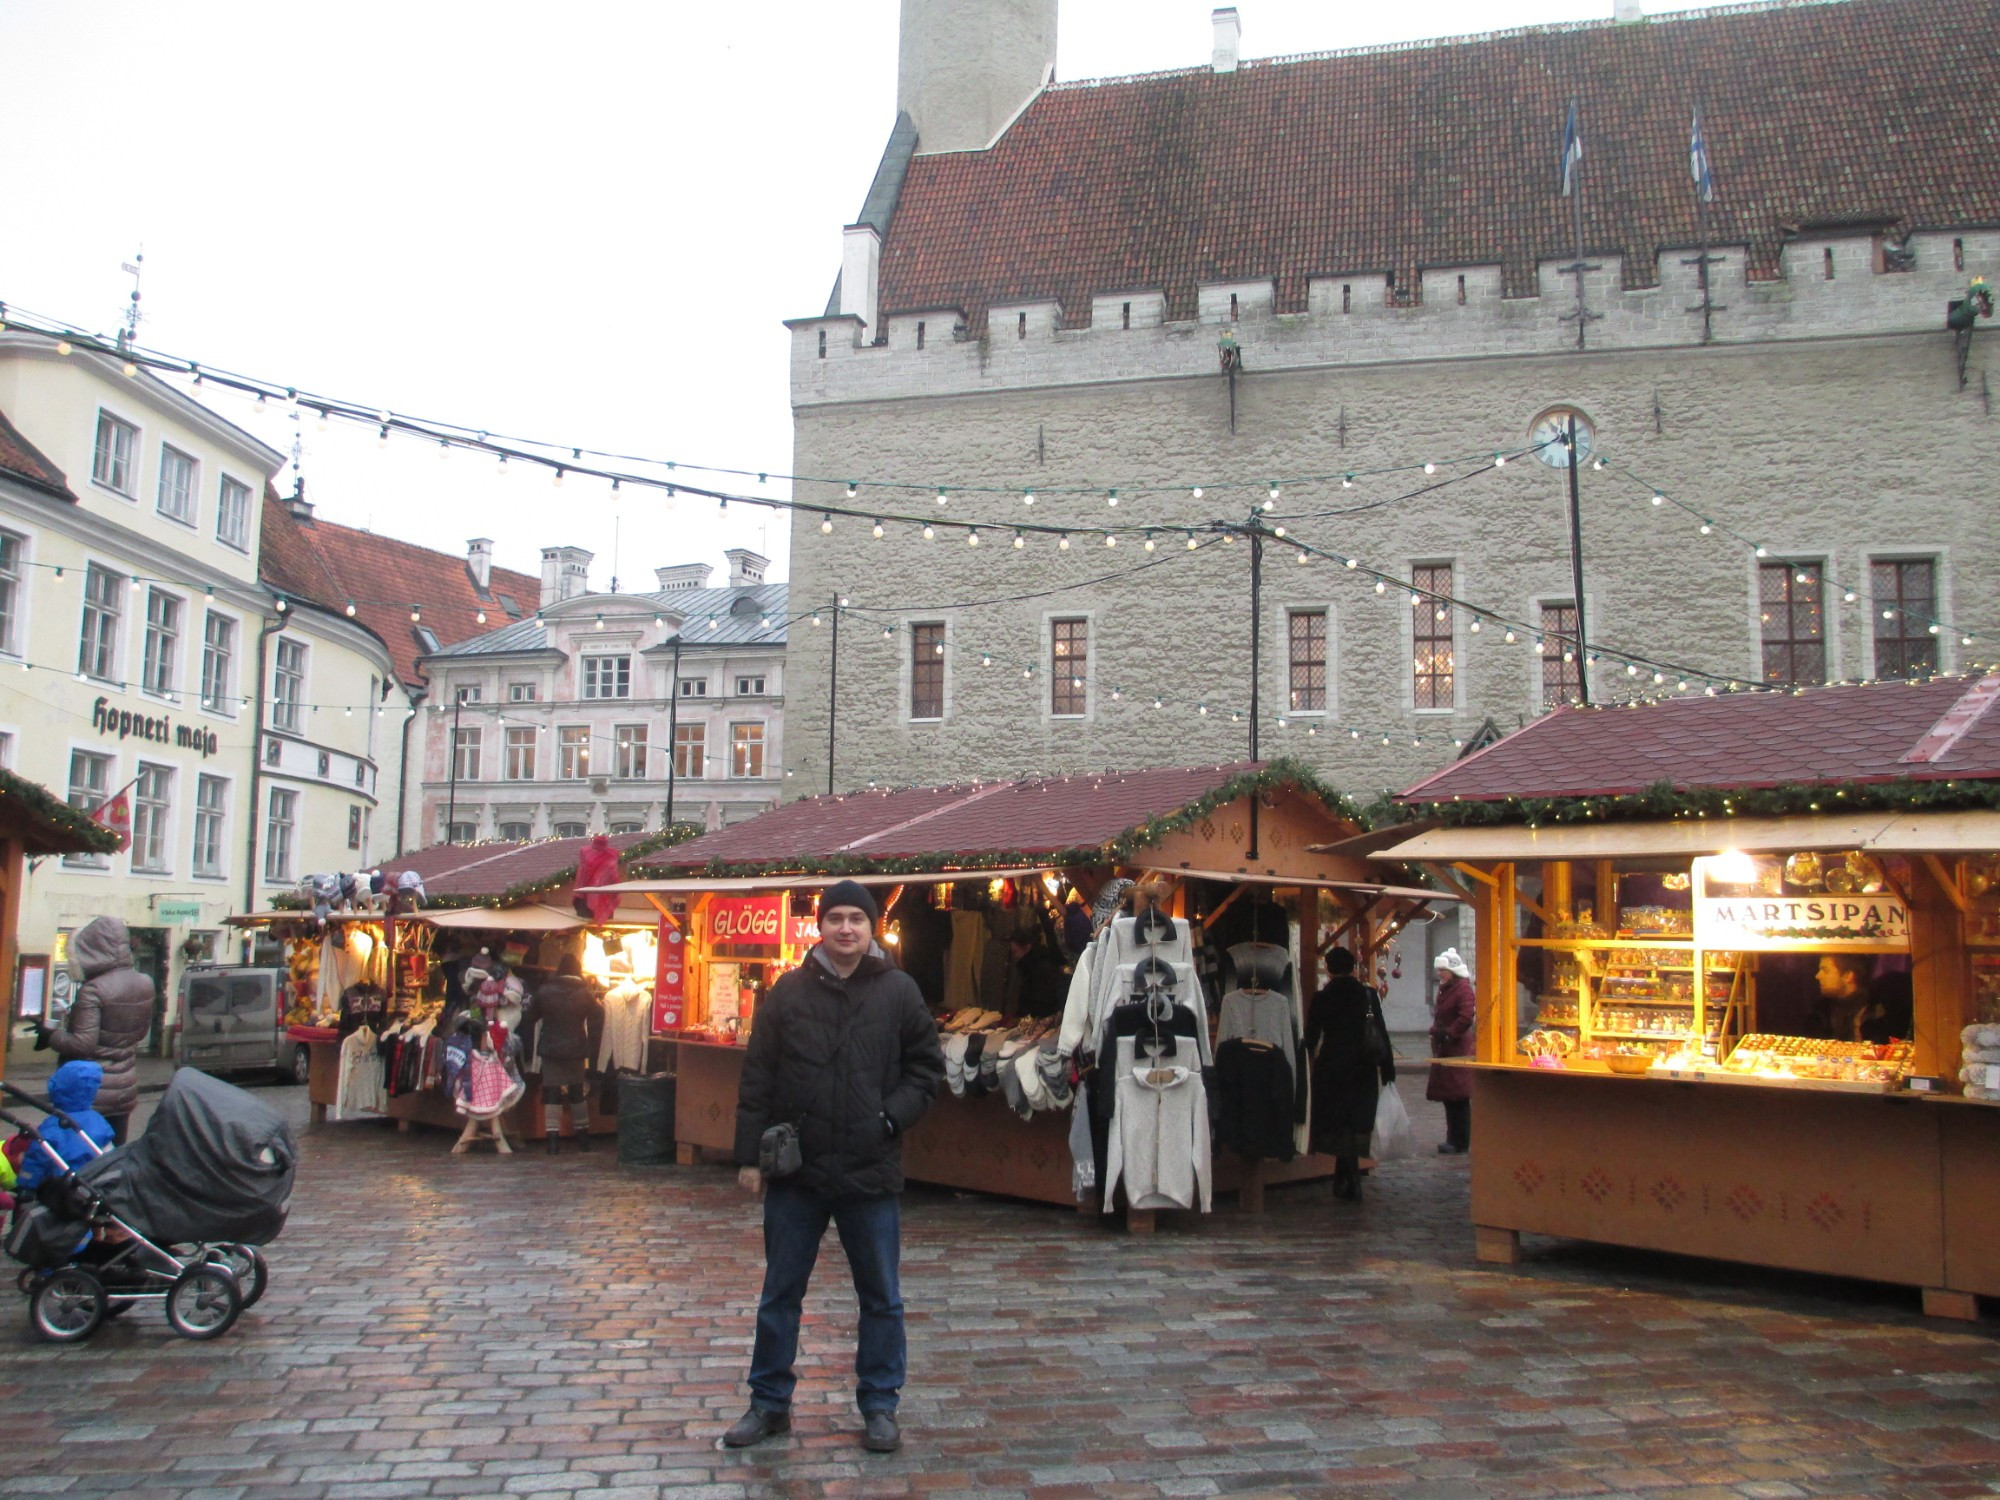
pixel 334 565
pixel 1445 154
pixel 975 823
pixel 476 874
pixel 1854 734
pixel 22 460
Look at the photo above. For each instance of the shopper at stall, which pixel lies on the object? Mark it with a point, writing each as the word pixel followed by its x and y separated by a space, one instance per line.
pixel 111 1015
pixel 1039 984
pixel 845 1054
pixel 563 1026
pixel 1452 1015
pixel 1347 1040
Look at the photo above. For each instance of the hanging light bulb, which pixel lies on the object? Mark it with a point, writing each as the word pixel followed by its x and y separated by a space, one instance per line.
pixel 1428 469
pixel 1027 497
pixel 382 436
pixel 1381 586
pixel 1347 481
pixel 1658 498
pixel 130 369
pixel 1111 498
pixel 63 346
pixel 1499 460
pixel 986 658
pixel 1159 703
pixel 1191 542
pixel 282 606
pixel 503 466
pixel 556 483
pixel 1707 527
pixel 1149 543
pixel 825 523
pixel 1273 496
pixel 479 617
pixel 1510 637
pixel 941 500
pixel 350 609
pixel 815 619
pixel 928 532
pixel 599 625
pixel 972 538
pixel 850 489
pixel 1027 671
pixel 1197 492
pixel 1474 626
pixel 1763 551
pixel 1110 540
pixel 878 531
pixel 1062 542
pixel 416 613
pixel 1303 558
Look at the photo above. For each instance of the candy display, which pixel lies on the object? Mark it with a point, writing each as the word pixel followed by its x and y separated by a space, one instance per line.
pixel 1766 1056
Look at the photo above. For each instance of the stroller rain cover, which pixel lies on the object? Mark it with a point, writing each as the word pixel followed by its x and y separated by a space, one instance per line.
pixel 214 1163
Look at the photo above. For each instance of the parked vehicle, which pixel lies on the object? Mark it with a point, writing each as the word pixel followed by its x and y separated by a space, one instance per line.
pixel 232 1020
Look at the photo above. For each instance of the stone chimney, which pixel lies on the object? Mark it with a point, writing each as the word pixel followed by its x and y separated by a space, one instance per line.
pixel 479 562
pixel 565 574
pixel 1626 11
pixel 1229 38
pixel 296 502
pixel 860 272
pixel 965 67
pixel 682 577
pixel 746 568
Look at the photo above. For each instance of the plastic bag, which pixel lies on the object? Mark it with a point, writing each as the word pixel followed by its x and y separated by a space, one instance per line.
pixel 1393 1136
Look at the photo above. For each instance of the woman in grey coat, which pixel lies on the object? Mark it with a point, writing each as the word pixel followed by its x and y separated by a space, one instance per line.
pixel 109 1018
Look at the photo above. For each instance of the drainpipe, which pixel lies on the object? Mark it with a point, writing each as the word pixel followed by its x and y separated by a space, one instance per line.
pixel 403 780
pixel 271 628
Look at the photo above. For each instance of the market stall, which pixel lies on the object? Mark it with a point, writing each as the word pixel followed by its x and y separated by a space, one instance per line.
pixel 1739 979
pixel 986 894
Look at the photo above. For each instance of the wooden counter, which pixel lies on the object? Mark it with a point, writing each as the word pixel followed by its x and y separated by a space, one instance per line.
pixel 1885 1186
pixel 975 1144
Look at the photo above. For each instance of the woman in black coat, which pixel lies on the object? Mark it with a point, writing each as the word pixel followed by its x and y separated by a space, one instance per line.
pixel 1347 1075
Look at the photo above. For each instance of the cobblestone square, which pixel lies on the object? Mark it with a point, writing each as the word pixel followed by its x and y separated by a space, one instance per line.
pixel 498 1327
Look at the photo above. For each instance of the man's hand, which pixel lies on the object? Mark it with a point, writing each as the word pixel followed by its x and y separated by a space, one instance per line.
pixel 751 1181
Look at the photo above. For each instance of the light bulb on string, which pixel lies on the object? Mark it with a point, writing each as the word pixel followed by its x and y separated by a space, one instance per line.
pixel 1354 562
pixel 503 466
pixel 1191 542
pixel 416 614
pixel 479 618
pixel 556 483
pixel 1347 481
pixel 381 434
pixel 1510 637
pixel 63 346
pixel 1428 469
pixel 1196 492
pixel 941 497
pixel 1062 542
pixel 1474 626
pixel 1019 541
pixel 1381 586
pixel 929 532
pixel 350 609
pixel 1110 540
pixel 130 369
pixel 1707 527
pixel 1111 498
pixel 1499 460
pixel 1149 544
pixel 850 489
pixel 1277 531
pixel 1027 497
pixel 972 537
pixel 877 531
pixel 1763 551
pixel 825 523
pixel 1303 557
pixel 598 624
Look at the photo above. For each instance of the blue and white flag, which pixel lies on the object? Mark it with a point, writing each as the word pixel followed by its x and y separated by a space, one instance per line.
pixel 1704 175
pixel 1572 153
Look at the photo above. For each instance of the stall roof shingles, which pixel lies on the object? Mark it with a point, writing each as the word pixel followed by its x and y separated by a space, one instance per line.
pixel 1833 734
pixel 973 821
pixel 24 461
pixel 486 872
pixel 1444 154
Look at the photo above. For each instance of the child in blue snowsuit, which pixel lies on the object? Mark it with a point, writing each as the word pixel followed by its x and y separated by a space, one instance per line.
pixel 73 1090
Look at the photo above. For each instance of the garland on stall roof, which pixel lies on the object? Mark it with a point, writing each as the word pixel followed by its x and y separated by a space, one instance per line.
pixel 1282 773
pixel 39 804
pixel 1664 802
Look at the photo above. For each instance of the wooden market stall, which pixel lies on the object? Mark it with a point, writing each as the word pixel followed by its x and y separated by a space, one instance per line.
pixel 34 824
pixel 1734 959
pixel 736 911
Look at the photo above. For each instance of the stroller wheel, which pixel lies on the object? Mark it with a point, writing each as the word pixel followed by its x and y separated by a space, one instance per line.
pixel 203 1302
pixel 67 1305
pixel 246 1264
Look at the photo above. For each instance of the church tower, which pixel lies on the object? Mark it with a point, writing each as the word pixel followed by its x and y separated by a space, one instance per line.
pixel 967 66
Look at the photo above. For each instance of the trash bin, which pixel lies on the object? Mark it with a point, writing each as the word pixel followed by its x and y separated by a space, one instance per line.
pixel 646 1119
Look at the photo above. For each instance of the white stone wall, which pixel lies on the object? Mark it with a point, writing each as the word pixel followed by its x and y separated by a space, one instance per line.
pixel 1826 422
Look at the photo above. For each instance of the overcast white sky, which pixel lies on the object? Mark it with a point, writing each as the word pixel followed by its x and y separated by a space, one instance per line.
pixel 584 223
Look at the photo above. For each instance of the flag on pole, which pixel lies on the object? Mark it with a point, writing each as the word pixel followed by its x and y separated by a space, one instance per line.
pixel 1572 153
pixel 115 813
pixel 1704 175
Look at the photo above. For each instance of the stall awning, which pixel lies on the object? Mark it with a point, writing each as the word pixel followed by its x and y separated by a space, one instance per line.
pixel 1366 888
pixel 688 885
pixel 531 918
pixel 1878 832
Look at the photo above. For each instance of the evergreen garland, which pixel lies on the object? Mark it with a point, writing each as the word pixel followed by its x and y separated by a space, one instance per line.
pixel 1665 802
pixel 66 829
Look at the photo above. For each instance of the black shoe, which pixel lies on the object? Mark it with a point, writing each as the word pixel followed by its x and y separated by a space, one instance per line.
pixel 1449 1149
pixel 882 1434
pixel 582 1139
pixel 755 1425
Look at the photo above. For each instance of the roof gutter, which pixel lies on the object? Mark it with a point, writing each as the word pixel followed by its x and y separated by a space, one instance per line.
pixel 403 774
pixel 271 628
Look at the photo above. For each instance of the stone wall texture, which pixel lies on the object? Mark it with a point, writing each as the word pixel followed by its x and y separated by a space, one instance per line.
pixel 1826 422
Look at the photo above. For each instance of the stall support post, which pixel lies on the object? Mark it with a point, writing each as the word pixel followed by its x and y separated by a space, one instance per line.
pixel 1940 970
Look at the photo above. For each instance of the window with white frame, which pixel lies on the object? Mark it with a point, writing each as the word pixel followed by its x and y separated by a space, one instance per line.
pixel 211 808
pixel 570 830
pixel 1562 667
pixel 750 687
pixel 629 752
pixel 177 485
pixel 1434 655
pixel 278 831
pixel 1903 594
pixel 694 687
pixel 691 751
pixel 517 833
pixel 465 745
pixel 6 750
pixel 927 670
pixel 460 833
pixel 152 817
pixel 521 754
pixel 11 561
pixel 103 600
pixel 624 825
pixel 522 692
pixel 607 677
pixel 232 514
pixel 1791 599
pixel 746 750
pixel 288 685
pixel 218 663
pixel 572 752
pixel 163 642
pixel 89 786
pixel 1069 667
pixel 1306 631
pixel 115 462
pixel 469 693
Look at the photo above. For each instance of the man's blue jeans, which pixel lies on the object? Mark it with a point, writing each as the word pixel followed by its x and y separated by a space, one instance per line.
pixel 795 1221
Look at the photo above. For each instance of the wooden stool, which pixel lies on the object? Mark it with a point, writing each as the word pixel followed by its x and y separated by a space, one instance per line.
pixel 477 1129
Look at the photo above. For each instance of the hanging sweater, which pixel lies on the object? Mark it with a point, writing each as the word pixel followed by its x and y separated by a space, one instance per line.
pixel 1255 1100
pixel 1159 1140
pixel 628 1019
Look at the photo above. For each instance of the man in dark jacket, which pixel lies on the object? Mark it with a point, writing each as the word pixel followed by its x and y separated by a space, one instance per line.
pixel 110 1017
pixel 564 1023
pixel 843 1049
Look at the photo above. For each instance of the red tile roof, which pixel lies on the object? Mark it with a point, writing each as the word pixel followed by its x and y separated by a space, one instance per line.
pixel 474 874
pixel 334 565
pixel 23 460
pixel 1445 155
pixel 1944 729
pixel 977 823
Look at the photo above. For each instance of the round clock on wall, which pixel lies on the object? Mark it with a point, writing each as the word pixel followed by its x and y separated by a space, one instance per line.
pixel 1547 434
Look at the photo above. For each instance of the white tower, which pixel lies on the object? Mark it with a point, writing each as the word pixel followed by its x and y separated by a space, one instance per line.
pixel 966 67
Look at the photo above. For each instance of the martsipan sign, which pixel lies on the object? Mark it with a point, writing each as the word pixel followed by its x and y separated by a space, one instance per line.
pixel 123 724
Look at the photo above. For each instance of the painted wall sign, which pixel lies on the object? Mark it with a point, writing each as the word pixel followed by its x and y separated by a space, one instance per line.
pixel 670 978
pixel 746 919
pixel 1747 905
pixel 177 913
pixel 123 724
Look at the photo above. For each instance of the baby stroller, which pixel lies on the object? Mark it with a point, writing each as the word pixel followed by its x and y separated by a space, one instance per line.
pixel 175 1217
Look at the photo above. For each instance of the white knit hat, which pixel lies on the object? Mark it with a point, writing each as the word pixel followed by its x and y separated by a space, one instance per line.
pixel 1449 959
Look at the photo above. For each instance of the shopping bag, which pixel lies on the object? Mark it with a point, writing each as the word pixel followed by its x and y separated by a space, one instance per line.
pixel 1393 1136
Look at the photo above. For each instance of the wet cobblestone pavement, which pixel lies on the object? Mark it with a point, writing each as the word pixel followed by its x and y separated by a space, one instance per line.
pixel 485 1326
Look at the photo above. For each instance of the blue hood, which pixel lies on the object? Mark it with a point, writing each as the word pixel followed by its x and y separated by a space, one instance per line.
pixel 74 1086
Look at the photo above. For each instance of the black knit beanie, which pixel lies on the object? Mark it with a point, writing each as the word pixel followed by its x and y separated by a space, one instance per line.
pixel 849 893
